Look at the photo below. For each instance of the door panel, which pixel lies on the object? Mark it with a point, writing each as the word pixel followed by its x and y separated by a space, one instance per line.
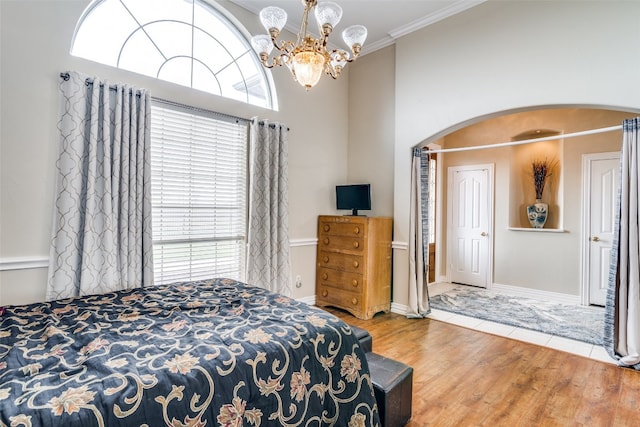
pixel 469 225
pixel 603 190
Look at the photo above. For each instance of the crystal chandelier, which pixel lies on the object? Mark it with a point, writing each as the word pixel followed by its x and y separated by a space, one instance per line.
pixel 308 57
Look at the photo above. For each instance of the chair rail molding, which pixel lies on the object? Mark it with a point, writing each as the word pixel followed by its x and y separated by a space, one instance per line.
pixel 303 242
pixel 24 263
pixel 400 245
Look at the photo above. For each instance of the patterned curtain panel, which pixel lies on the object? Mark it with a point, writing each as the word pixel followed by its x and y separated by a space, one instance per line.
pixel 102 215
pixel 418 237
pixel 622 310
pixel 268 262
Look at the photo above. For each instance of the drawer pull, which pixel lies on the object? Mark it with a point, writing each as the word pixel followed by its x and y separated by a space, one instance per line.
pixel 326 241
pixel 354 301
pixel 356 264
pixel 354 282
pixel 325 276
pixel 326 259
pixel 325 293
pixel 326 227
pixel 356 244
pixel 356 230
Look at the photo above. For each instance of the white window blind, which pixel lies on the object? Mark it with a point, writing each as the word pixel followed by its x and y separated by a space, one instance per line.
pixel 199 194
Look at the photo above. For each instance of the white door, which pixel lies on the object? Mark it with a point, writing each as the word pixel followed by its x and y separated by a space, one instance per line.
pixel 470 213
pixel 601 191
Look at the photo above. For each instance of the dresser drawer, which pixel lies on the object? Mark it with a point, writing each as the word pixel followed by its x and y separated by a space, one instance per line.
pixel 339 298
pixel 340 279
pixel 341 243
pixel 342 228
pixel 341 261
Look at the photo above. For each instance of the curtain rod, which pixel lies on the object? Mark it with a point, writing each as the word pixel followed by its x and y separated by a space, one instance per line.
pixel 188 108
pixel 526 141
pixel 236 119
pixel 88 81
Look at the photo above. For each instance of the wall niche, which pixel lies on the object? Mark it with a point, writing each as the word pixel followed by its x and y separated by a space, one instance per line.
pixel 522 190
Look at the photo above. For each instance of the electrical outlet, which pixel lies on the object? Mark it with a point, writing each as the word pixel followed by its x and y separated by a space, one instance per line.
pixel 298 281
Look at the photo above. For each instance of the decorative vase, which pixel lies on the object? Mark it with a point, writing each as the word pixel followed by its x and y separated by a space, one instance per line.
pixel 537 214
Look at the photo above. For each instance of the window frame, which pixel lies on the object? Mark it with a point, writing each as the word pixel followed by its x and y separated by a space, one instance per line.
pixel 202 114
pixel 232 24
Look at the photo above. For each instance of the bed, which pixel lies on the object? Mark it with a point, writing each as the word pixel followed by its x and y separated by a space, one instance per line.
pixel 205 353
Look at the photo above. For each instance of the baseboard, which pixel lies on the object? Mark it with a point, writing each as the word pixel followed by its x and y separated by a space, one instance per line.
pixel 536 294
pixel 308 300
pixel 399 308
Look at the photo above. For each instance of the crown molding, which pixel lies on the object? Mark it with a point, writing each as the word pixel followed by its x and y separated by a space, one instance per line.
pixel 441 14
pixel 396 33
pixel 380 44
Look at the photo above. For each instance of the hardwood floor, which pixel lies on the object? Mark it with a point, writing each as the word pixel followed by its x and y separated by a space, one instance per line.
pixel 469 378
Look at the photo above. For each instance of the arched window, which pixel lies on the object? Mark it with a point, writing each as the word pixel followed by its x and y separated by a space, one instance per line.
pixel 193 43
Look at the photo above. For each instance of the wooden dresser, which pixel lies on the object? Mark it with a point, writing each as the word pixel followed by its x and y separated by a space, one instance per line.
pixel 353 264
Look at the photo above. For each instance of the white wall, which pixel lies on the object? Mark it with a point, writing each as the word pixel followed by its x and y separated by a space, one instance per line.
pixel 502 57
pixel 372 126
pixel 35 42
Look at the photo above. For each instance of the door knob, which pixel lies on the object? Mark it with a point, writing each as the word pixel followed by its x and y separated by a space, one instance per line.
pixel 483 234
pixel 595 239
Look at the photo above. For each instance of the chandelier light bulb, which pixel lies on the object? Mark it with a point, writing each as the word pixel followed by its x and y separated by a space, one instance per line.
pixel 355 35
pixel 262 44
pixel 273 17
pixel 308 67
pixel 328 13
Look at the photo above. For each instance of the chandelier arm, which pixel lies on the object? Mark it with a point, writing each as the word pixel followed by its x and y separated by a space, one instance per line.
pixel 324 37
pixel 285 46
pixel 276 61
pixel 343 55
pixel 332 71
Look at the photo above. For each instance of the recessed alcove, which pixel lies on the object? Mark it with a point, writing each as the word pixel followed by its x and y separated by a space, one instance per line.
pixel 522 191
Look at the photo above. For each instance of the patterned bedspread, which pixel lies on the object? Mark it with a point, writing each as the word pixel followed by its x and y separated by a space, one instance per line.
pixel 207 353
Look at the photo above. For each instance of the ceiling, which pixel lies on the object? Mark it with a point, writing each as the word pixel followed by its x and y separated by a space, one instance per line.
pixel 386 20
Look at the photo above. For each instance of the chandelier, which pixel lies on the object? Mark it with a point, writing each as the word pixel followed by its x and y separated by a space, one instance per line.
pixel 308 57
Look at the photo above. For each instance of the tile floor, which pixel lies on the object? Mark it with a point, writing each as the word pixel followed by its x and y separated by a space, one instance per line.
pixel 559 343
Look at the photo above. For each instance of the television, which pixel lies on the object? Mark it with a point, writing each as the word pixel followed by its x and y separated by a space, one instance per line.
pixel 353 197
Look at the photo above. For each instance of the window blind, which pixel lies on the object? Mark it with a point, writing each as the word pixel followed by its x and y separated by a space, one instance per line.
pixel 199 195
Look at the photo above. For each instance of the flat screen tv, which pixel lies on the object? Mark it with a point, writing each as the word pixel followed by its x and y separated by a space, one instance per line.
pixel 353 197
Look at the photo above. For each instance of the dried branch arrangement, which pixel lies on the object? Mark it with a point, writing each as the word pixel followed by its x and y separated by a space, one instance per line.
pixel 541 170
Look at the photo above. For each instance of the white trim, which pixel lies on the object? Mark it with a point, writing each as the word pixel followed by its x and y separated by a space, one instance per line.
pixel 538 230
pixel 399 308
pixel 380 44
pixel 403 246
pixel 23 263
pixel 311 300
pixel 438 15
pixel 303 242
pixel 536 294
